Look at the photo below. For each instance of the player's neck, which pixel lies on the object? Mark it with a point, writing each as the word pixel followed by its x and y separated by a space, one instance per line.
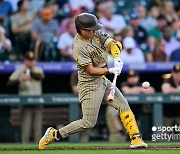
pixel 84 39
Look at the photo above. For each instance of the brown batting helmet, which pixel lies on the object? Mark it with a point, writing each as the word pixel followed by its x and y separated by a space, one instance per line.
pixel 87 21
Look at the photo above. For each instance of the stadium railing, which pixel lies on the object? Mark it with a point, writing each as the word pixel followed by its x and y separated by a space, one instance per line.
pixel 157 100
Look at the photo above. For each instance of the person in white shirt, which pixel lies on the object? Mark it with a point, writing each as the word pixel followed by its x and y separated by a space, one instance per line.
pixel 130 53
pixel 65 42
pixel 112 22
pixel 170 42
pixel 5 45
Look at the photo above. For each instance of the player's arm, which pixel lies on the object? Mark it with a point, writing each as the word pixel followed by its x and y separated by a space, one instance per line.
pixel 15 77
pixel 131 90
pixel 37 74
pixel 167 88
pixel 149 90
pixel 95 70
pixel 113 46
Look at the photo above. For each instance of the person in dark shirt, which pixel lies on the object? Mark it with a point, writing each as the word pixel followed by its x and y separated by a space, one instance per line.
pixel 170 86
pixel 133 86
pixel 140 34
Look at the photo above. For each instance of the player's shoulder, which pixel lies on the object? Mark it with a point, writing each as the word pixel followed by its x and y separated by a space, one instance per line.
pixel 78 44
pixel 37 69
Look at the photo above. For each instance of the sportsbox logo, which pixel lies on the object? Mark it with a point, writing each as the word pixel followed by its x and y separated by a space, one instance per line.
pixel 166 133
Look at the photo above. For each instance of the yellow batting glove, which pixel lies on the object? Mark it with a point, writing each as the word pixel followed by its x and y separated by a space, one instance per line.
pixel 119 44
pixel 115 47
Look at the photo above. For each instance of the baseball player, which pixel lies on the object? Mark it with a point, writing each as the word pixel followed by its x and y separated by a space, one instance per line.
pixel 89 51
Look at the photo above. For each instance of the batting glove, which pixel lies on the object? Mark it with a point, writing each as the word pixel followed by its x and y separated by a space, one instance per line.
pixel 118 63
pixel 113 70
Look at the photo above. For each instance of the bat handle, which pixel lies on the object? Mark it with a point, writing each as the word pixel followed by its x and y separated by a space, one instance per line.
pixel 112 89
pixel 111 94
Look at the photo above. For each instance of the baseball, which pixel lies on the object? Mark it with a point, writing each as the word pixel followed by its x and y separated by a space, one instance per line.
pixel 146 84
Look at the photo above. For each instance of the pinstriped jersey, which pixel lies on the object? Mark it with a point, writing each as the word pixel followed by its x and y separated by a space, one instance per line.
pixel 94 52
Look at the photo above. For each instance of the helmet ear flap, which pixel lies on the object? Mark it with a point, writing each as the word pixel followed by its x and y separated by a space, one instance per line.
pixel 78 27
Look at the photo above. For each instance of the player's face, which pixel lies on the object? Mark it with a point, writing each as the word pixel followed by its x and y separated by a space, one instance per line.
pixel 87 34
pixel 133 80
pixel 29 63
pixel 176 76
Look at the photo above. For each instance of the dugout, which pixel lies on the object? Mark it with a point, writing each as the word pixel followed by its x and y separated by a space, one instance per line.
pixel 57 81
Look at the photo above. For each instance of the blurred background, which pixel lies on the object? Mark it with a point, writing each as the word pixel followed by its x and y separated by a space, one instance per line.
pixel 38 78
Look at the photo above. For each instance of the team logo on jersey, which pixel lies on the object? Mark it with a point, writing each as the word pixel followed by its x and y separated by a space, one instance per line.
pixel 97 40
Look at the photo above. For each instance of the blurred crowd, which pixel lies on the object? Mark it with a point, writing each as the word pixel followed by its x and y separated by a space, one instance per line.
pixel 149 30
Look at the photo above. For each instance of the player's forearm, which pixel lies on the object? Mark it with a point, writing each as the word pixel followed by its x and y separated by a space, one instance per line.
pixel 133 90
pixel 96 71
pixel 12 82
pixel 171 90
pixel 37 76
pixel 167 89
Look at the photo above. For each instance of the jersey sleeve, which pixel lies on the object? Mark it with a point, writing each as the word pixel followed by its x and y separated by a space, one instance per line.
pixel 15 75
pixel 102 36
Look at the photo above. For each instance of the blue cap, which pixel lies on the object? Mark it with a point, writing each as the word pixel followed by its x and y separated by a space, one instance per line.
pixel 134 15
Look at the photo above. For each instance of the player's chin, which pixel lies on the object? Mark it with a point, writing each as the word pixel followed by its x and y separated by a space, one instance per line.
pixel 92 35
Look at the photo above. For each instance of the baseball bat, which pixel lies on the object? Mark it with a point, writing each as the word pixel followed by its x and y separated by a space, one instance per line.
pixel 112 89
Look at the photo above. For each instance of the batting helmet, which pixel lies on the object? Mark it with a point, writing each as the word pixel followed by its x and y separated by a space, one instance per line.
pixel 87 21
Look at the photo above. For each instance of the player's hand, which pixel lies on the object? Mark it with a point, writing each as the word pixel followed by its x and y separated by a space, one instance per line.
pixel 24 77
pixel 113 70
pixel 118 63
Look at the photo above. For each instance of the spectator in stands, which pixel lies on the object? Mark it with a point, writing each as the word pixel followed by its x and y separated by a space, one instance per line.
pixel 5 9
pixel 127 31
pixel 171 86
pixel 73 15
pixel 55 9
pixel 5 44
pixel 36 6
pixel 158 54
pixel 133 85
pixel 44 32
pixel 14 5
pixel 150 21
pixel 21 26
pixel 142 12
pixel 140 34
pixel 131 53
pixel 111 22
pixel 157 3
pixel 175 25
pixel 74 4
pixel 149 47
pixel 170 42
pixel 169 12
pixel 65 42
pixel 114 125
pixel 175 55
pixel 28 78
pixel 84 135
pixel 156 32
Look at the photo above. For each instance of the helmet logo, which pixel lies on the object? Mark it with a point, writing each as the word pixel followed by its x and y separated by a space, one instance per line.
pixel 96 21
